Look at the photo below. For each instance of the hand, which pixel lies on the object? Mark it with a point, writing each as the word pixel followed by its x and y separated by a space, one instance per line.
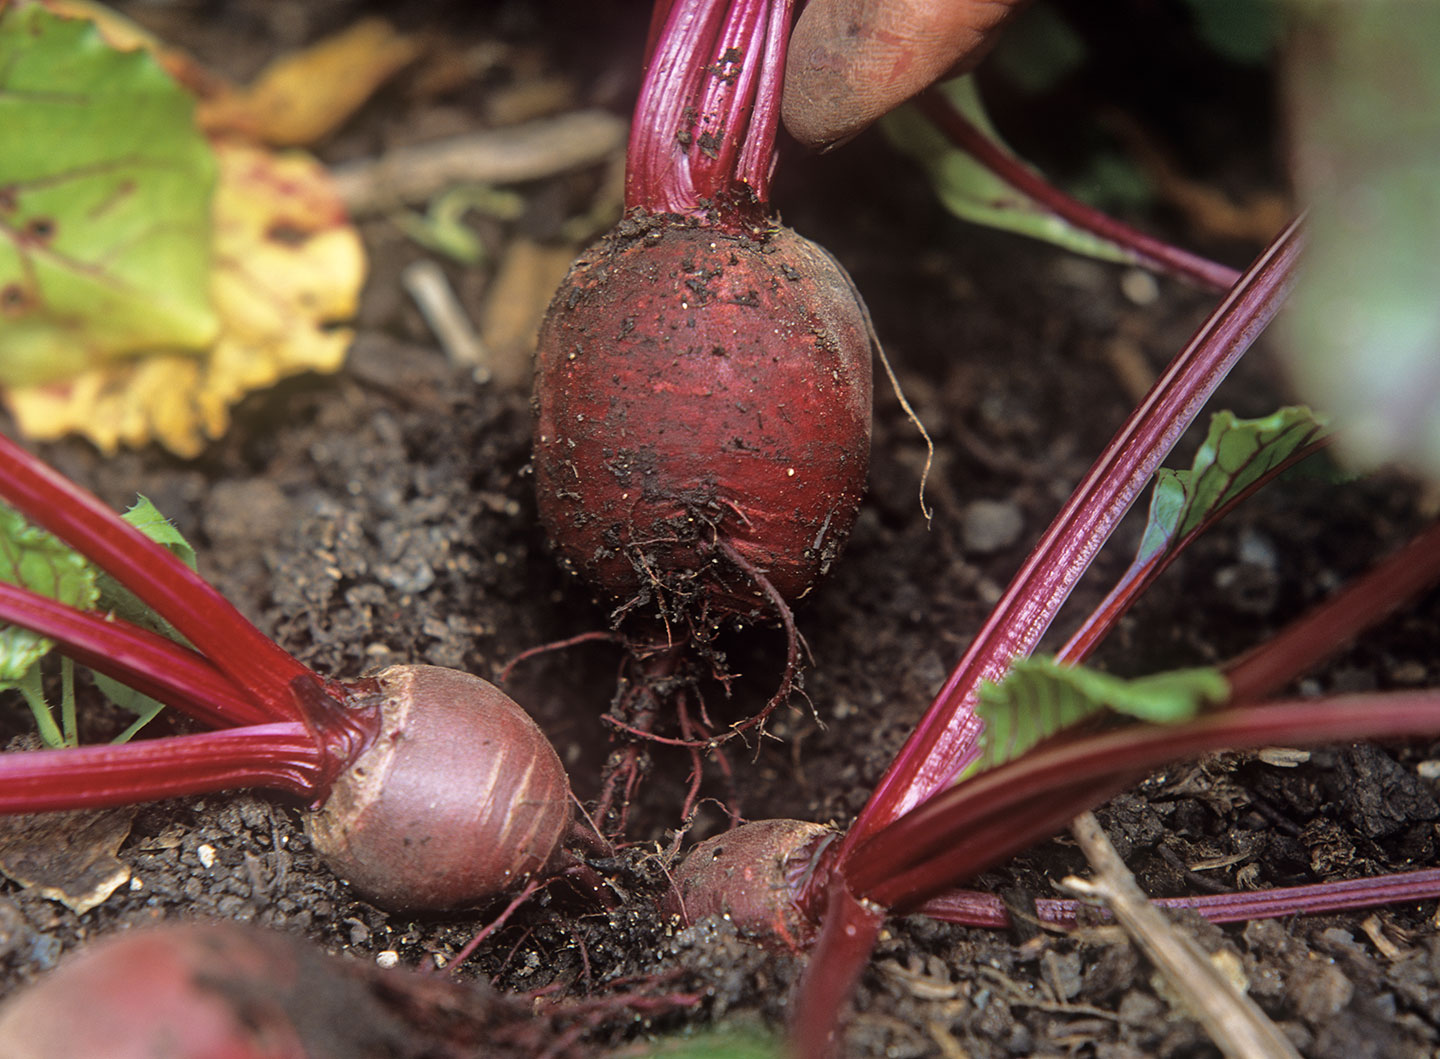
pixel 853 60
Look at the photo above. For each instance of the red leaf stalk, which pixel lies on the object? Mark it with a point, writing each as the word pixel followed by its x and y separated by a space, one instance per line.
pixel 944 741
pixel 1146 249
pixel 257 665
pixel 703 141
pixel 280 756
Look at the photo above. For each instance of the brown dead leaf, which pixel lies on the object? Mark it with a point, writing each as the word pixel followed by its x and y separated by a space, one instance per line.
pixel 302 97
pixel 67 857
pixel 516 303
pixel 288 268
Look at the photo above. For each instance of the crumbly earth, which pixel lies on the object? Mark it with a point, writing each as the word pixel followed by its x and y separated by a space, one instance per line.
pixel 386 515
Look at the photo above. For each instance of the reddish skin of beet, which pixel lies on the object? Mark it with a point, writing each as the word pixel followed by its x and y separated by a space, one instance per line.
pixel 739 874
pixel 194 991
pixel 693 382
pixel 459 798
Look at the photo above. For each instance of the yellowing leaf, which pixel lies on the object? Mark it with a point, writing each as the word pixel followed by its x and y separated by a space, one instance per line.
pixel 302 97
pixel 288 267
pixel 105 185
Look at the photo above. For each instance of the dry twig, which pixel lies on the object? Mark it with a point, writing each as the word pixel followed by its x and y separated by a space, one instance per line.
pixel 1234 1022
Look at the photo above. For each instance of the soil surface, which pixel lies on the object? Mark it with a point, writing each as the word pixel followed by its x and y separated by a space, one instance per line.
pixel 386 514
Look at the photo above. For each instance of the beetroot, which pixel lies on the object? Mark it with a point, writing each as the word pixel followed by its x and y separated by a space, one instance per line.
pixel 231 991
pixel 459 798
pixel 703 377
pixel 695 388
pixel 754 875
pixel 214 991
pixel 431 788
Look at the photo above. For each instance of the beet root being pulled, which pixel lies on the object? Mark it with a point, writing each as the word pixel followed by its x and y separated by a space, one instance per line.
pixel 703 417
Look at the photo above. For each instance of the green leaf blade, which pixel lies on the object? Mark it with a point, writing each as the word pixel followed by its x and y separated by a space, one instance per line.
pixel 1236 454
pixel 34 559
pixel 1040 697
pixel 105 186
pixel 119 600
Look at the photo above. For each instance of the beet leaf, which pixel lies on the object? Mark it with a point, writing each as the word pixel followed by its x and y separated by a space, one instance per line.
pixel 36 560
pixel 1039 697
pixel 1236 454
pixel 1237 457
pixel 979 179
pixel 107 185
pixel 971 191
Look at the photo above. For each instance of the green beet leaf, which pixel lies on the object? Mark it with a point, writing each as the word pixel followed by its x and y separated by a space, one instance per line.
pixel 105 187
pixel 119 600
pixel 1040 697
pixel 1236 454
pixel 35 559
pixel 972 192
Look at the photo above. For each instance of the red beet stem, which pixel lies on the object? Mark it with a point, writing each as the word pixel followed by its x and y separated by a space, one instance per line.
pixel 1329 627
pixel 198 612
pixel 1137 579
pixel 280 756
pixel 703 139
pixel 138 658
pixel 973 908
pixel 963 830
pixel 826 984
pixel 944 740
pixel 1146 249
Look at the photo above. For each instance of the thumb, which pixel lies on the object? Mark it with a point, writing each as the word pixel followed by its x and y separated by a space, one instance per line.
pixel 851 61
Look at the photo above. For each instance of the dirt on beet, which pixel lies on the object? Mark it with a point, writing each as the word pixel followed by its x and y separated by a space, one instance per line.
pixel 386 514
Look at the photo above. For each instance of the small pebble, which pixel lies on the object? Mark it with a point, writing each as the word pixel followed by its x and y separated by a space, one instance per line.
pixel 206 854
pixel 388 958
pixel 1139 287
pixel 990 525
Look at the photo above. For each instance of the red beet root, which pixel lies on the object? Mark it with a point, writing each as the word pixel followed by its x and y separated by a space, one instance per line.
pixel 196 992
pixel 753 875
pixel 459 798
pixel 700 390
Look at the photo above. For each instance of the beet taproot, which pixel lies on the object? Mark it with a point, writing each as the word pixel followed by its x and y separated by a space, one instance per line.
pixel 698 390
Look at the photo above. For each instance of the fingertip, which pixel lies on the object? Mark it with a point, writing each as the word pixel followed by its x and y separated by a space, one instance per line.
pixel 850 61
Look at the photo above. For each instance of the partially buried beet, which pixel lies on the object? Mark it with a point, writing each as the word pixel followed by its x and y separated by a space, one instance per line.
pixel 430 788
pixel 703 379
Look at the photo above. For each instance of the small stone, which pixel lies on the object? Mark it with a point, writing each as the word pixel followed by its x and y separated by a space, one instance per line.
pixel 990 525
pixel 1320 990
pixel 388 958
pixel 205 853
pixel 1139 287
pixel 1138 1008
pixel 1062 972
pixel 1409 672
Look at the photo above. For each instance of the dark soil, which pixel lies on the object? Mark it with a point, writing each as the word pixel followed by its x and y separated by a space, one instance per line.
pixel 386 515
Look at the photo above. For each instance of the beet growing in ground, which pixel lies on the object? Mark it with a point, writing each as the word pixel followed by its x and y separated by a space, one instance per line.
pixel 386 515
